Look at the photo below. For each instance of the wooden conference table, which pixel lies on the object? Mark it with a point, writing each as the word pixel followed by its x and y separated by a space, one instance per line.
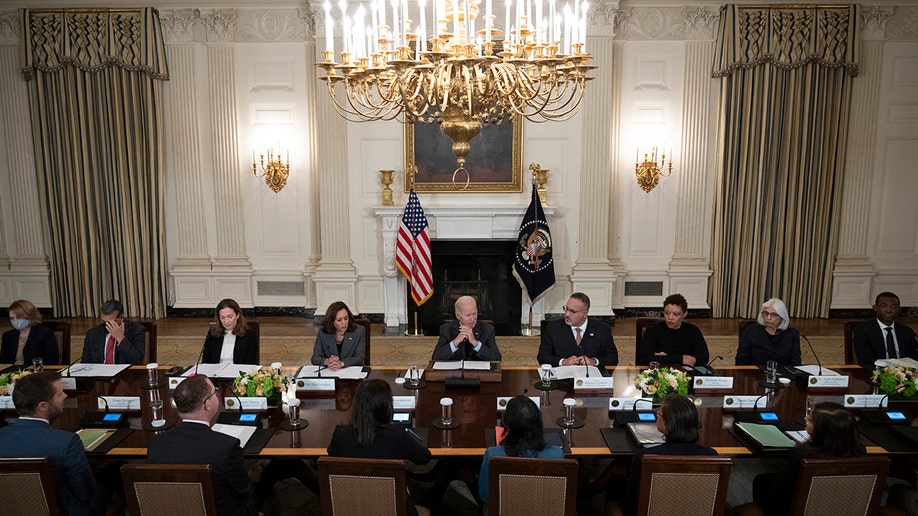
pixel 476 408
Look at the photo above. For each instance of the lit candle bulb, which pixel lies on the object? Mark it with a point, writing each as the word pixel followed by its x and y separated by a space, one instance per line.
pixel 329 24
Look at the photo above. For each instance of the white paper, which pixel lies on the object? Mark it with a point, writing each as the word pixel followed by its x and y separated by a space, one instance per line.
pixel 798 435
pixel 814 370
pixel 94 370
pixel 243 433
pixel 222 370
pixel 897 362
pixel 349 373
pixel 455 365
pixel 566 372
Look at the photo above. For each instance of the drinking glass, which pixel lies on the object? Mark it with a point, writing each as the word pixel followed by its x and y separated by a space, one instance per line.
pixel 157 408
pixel 569 410
pixel 771 371
pixel 294 405
pixel 654 365
pixel 153 374
pixel 414 374
pixel 545 374
pixel 38 364
pixel 446 408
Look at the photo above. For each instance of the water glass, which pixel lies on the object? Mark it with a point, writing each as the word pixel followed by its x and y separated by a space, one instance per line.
pixel 414 374
pixel 446 408
pixel 157 408
pixel 294 406
pixel 771 371
pixel 654 365
pixel 545 374
pixel 153 374
pixel 569 410
pixel 38 364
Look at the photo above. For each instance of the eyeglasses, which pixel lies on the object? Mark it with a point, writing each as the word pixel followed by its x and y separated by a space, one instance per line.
pixel 566 309
pixel 209 396
pixel 768 315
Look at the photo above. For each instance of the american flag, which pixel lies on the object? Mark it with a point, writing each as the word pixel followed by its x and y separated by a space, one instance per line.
pixel 412 253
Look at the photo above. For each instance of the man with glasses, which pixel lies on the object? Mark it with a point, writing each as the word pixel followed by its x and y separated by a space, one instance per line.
pixel 115 341
pixel 194 442
pixel 577 339
pixel 881 337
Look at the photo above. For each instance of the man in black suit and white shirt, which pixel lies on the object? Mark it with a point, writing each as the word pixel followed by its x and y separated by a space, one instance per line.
pixel 194 442
pixel 881 337
pixel 576 339
pixel 115 341
pixel 466 338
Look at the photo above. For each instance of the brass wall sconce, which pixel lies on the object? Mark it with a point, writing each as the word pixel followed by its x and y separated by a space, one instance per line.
pixel 275 171
pixel 648 172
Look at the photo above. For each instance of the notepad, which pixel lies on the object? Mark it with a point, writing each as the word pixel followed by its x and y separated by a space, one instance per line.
pixel 243 433
pixel 93 437
pixel 455 365
pixel 646 434
pixel 768 436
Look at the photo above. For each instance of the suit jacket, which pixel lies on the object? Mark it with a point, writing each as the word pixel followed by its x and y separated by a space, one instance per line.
pixel 870 342
pixel 558 343
pixel 195 443
pixel 391 442
pixel 482 330
pixel 40 343
pixel 129 351
pixel 353 349
pixel 32 438
pixel 756 346
pixel 245 351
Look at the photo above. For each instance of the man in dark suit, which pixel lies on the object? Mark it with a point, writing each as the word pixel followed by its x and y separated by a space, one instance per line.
pixel 466 338
pixel 577 339
pixel 39 399
pixel 881 338
pixel 115 341
pixel 194 442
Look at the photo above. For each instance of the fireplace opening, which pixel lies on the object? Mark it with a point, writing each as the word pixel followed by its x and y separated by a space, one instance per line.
pixel 478 268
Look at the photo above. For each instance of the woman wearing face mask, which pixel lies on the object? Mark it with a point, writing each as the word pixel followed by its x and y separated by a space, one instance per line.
pixel 28 339
pixel 230 340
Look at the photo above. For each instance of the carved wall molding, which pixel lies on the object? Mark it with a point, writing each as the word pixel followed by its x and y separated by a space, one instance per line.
pixel 178 25
pixel 653 23
pixel 700 22
pixel 603 18
pixel 10 31
pixel 271 25
pixel 904 25
pixel 220 23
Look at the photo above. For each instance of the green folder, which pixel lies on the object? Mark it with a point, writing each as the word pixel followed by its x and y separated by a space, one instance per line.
pixel 768 436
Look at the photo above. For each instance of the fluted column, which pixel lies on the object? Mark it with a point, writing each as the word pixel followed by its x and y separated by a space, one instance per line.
pixel 853 272
pixel 312 131
pixel 615 191
pixel 192 230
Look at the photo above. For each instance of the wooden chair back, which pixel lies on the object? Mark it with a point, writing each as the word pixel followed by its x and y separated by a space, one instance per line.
pixel 640 325
pixel 255 326
pixel 169 489
pixel 849 341
pixel 28 487
pixel 61 329
pixel 743 324
pixel 840 486
pixel 683 485
pixel 366 326
pixel 522 486
pixel 362 486
pixel 149 328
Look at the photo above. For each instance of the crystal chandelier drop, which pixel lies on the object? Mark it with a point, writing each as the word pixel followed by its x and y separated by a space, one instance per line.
pixel 465 73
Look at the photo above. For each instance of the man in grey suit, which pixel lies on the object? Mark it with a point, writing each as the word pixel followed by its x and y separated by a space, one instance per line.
pixel 39 399
pixel 115 341
pixel 466 338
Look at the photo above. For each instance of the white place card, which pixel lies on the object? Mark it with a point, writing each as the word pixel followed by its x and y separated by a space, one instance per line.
pixel 837 381
pixel 69 383
pixel 253 403
pixel 404 402
pixel 315 384
pixel 94 370
pixel 174 381
pixel 503 400
pixel 6 402
pixel 713 382
pixel 866 400
pixel 630 403
pixel 118 402
pixel 599 382
pixel 743 402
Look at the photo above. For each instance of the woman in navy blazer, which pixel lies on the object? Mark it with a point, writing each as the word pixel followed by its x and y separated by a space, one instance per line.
pixel 341 342
pixel 39 340
pixel 230 330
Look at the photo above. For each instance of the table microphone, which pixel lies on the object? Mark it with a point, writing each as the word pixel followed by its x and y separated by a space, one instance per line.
pixel 462 381
pixel 72 364
pixel 750 416
pixel 814 353
pixel 200 355
pixel 623 417
pixel 99 419
pixel 879 415
pixel 706 370
pixel 238 418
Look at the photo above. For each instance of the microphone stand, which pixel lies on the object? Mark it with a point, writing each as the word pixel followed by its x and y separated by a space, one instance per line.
pixel 812 350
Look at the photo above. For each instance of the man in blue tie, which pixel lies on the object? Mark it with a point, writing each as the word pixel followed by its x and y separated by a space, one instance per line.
pixel 881 337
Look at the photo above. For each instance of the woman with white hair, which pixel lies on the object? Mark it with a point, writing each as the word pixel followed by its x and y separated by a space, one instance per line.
pixel 771 338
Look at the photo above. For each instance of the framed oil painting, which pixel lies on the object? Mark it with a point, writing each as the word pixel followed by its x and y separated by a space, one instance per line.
pixel 494 163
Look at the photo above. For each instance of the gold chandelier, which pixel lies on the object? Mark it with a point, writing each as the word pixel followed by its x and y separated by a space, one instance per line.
pixel 461 76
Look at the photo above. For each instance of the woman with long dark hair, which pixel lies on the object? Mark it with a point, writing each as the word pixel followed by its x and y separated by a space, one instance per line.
pixel 341 342
pixel 230 339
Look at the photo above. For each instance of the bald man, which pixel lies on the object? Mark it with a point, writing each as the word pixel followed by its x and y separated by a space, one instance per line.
pixel 466 338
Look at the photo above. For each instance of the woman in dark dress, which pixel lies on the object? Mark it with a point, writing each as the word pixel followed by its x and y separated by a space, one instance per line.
pixel 770 339
pixel 230 339
pixel 28 339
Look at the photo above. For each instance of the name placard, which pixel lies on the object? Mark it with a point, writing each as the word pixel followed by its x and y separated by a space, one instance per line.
pixel 315 384
pixel 503 400
pixel 714 382
pixel 119 402
pixel 741 402
pixel 404 402
pixel 69 383
pixel 254 403
pixel 174 381
pixel 630 403
pixel 593 383
pixel 836 381
pixel 6 402
pixel 866 400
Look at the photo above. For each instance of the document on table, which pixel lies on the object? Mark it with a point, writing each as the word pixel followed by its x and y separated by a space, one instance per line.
pixel 349 373
pixel 579 371
pixel 468 365
pixel 94 370
pixel 93 437
pixel 243 433
pixel 814 370
pixel 897 362
pixel 769 436
pixel 222 370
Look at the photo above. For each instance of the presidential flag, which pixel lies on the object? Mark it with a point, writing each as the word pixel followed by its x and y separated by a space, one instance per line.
pixel 412 253
pixel 533 266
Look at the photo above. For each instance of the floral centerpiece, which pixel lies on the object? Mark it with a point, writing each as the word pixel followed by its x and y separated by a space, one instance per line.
pixel 659 382
pixel 896 380
pixel 265 382
pixel 8 379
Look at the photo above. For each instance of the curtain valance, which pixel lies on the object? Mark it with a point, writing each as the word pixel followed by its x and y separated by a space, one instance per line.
pixel 786 36
pixel 92 39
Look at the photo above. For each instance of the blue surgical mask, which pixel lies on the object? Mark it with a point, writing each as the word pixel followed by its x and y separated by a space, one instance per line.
pixel 19 324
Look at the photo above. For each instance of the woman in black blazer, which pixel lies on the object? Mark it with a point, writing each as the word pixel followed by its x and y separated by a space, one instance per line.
pixel 230 339
pixel 38 341
pixel 341 342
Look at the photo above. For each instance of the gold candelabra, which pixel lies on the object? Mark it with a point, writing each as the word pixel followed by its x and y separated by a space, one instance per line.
pixel 275 171
pixel 648 172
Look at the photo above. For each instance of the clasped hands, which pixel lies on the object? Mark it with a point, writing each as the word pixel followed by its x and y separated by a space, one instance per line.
pixel 465 334
pixel 333 362
pixel 688 360
pixel 578 360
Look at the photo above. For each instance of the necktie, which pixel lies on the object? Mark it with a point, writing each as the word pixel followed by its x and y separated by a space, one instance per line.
pixel 578 335
pixel 110 350
pixel 890 344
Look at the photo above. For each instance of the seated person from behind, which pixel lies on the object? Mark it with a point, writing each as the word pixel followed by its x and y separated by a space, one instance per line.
pixel 522 437
pixel 115 341
pixel 576 339
pixel 882 337
pixel 340 342
pixel 770 339
pixel 39 399
pixel 230 340
pixel 194 442
pixel 466 338
pixel 28 339
pixel 674 341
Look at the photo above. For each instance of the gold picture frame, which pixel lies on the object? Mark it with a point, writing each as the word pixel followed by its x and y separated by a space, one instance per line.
pixel 489 167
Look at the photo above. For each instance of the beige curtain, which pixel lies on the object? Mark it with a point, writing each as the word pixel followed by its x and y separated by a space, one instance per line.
pixel 95 86
pixel 786 76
